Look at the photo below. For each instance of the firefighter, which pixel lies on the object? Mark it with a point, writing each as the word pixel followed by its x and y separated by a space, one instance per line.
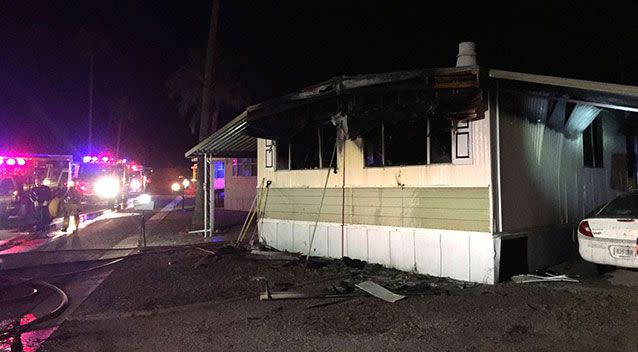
pixel 71 207
pixel 41 196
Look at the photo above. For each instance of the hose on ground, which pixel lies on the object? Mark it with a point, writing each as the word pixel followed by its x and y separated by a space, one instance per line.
pixel 16 329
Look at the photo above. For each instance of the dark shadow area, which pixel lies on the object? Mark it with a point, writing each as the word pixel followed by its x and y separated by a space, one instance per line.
pixel 513 258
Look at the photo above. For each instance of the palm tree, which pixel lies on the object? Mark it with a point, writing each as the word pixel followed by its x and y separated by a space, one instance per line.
pixel 185 87
pixel 201 90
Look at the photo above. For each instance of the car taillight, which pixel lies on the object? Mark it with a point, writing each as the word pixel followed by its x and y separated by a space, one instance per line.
pixel 584 229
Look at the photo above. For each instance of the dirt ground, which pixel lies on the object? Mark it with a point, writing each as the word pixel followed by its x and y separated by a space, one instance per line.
pixel 186 300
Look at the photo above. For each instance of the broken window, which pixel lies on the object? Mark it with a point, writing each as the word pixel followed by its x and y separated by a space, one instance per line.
pixel 409 143
pixel 440 137
pixel 327 137
pixel 244 167
pixel 283 155
pixel 311 148
pixel 373 147
pixel 304 150
pixel 405 143
pixel 593 144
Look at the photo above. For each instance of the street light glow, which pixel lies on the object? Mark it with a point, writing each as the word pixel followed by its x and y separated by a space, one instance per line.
pixel 175 187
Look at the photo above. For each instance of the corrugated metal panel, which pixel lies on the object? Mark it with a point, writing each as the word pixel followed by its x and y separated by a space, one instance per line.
pixel 543 179
pixel 228 141
pixel 463 208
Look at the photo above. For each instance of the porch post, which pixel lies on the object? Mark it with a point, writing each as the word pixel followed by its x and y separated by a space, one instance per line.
pixel 205 186
pixel 211 206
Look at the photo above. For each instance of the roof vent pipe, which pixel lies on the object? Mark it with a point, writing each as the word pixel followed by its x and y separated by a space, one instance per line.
pixel 467 54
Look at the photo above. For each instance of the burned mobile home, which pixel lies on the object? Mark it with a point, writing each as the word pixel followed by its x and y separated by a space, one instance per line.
pixel 461 172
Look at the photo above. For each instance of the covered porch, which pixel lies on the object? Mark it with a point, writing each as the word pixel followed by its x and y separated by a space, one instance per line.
pixel 230 141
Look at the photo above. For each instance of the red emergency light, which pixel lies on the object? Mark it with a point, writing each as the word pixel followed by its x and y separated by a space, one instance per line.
pixel 12 161
pixel 10 165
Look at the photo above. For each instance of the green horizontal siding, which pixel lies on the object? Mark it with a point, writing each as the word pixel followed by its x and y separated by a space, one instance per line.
pixel 439 208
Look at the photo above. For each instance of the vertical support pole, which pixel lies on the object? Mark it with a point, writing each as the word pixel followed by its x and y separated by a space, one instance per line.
pixel 211 198
pixel 144 228
pixel 343 198
pixel 205 186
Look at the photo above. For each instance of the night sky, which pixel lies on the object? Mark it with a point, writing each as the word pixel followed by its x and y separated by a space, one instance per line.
pixel 275 47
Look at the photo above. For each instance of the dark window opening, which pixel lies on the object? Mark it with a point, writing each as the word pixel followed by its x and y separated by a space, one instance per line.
pixel 311 148
pixel 327 138
pixel 405 143
pixel 440 141
pixel 593 144
pixel 408 143
pixel 373 147
pixel 283 153
pixel 304 150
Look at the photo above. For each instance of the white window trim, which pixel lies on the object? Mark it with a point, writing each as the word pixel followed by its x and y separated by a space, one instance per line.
pixel 269 154
pixel 463 128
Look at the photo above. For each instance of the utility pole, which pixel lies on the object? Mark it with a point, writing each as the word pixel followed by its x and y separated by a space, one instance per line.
pixel 204 120
pixel 91 106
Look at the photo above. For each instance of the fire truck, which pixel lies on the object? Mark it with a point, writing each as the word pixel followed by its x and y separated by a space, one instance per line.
pixel 18 174
pixel 138 178
pixel 110 181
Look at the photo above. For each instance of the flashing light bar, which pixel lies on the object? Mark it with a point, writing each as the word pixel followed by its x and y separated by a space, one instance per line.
pixel 12 161
pixel 102 159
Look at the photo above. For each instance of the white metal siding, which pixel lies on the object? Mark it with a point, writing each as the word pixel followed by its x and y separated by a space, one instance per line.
pixel 543 181
pixel 239 191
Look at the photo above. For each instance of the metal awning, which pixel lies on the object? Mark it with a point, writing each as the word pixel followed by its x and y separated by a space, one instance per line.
pixel 600 94
pixel 228 141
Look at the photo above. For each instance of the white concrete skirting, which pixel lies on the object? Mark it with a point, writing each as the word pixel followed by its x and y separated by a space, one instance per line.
pixel 461 255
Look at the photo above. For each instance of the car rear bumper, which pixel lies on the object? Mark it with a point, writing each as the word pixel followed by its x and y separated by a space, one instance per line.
pixel 604 251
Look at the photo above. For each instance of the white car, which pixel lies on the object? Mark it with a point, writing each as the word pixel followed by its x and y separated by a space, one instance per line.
pixel 609 236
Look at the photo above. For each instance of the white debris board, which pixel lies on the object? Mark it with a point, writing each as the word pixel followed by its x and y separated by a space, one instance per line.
pixel 379 291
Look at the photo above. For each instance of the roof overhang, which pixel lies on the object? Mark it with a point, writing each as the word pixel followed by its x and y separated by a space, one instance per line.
pixel 228 141
pixel 451 92
pixel 599 94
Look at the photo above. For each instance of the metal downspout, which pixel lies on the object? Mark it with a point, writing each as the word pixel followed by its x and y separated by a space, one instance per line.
pixel 497 136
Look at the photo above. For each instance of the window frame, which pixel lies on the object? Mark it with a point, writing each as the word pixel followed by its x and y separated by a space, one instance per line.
pixel 465 129
pixel 277 144
pixel 236 162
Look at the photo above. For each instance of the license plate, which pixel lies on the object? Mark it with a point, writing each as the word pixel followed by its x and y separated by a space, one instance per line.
pixel 622 252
